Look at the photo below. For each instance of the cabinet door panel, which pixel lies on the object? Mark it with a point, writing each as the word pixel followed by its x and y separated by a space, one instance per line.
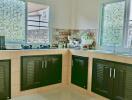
pixel 128 83
pixel 119 77
pixel 31 75
pixel 53 69
pixel 79 71
pixel 5 88
pixel 102 82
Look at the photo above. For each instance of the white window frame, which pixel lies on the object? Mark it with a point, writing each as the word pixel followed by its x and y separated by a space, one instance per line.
pixel 126 25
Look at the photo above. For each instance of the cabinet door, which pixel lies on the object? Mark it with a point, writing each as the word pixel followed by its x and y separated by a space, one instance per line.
pixel 79 74
pixel 5 89
pixel 53 69
pixel 102 82
pixel 128 82
pixel 31 72
pixel 119 79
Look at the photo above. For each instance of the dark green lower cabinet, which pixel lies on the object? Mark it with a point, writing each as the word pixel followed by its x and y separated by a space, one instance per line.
pixel 37 71
pixel 101 78
pixel 79 72
pixel 112 79
pixel 54 69
pixel 119 79
pixel 31 72
pixel 5 80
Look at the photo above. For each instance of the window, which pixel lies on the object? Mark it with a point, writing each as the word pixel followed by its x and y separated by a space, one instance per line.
pixel 38 24
pixel 12 21
pixel 116 24
pixel 112 23
pixel 17 28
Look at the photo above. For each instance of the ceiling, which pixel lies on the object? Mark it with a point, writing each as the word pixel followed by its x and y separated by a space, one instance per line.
pixel 32 7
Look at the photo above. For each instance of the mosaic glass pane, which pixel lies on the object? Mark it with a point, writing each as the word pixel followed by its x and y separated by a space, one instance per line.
pixel 12 20
pixel 113 23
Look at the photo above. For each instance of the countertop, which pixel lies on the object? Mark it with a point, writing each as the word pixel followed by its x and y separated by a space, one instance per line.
pixel 88 53
pixel 84 50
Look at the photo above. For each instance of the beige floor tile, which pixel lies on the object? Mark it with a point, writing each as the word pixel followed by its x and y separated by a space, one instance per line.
pixel 61 94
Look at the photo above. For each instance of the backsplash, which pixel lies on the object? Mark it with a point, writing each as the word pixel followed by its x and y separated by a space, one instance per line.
pixel 75 38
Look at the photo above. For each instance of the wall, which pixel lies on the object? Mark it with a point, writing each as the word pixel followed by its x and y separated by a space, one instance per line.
pixel 60 12
pixel 85 14
pixel 73 14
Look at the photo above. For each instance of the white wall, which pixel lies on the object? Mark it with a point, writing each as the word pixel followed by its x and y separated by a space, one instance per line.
pixel 60 12
pixel 73 14
pixel 86 13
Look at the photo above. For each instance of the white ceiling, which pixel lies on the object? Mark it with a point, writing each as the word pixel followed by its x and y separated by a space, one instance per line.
pixel 32 7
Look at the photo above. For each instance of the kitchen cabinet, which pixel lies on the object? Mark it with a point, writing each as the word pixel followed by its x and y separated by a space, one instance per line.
pixel 37 71
pixel 5 80
pixel 101 78
pixel 31 72
pixel 112 79
pixel 53 69
pixel 79 74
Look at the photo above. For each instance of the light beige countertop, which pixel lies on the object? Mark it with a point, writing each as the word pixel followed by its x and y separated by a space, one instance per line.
pixel 103 55
pixel 86 53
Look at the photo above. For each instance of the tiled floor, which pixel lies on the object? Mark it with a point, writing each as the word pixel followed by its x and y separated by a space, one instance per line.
pixel 62 94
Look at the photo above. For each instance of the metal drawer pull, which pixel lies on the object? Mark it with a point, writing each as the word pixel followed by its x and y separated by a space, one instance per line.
pixel 42 64
pixel 110 72
pixel 45 64
pixel 114 73
pixel 72 64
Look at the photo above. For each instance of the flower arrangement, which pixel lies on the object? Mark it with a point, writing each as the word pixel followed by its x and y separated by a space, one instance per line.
pixel 88 40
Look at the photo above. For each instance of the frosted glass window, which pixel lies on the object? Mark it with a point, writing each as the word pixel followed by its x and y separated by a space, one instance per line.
pixel 12 20
pixel 112 24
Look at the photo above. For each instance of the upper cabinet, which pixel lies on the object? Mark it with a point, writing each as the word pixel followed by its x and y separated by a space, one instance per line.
pixel 39 71
pixel 5 80
pixel 112 79
pixel 79 71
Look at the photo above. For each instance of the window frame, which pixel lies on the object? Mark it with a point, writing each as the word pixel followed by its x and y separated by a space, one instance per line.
pixel 124 43
pixel 49 29
pixel 126 26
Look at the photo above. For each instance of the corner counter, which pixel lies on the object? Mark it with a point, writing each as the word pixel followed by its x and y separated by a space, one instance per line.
pixel 15 55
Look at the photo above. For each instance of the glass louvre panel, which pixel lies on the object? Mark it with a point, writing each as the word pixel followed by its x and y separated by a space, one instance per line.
pixel 112 24
pixel 12 20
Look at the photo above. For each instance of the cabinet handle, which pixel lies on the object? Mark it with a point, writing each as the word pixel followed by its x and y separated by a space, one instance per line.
pixel 7 97
pixel 110 72
pixel 45 64
pixel 72 64
pixel 114 73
